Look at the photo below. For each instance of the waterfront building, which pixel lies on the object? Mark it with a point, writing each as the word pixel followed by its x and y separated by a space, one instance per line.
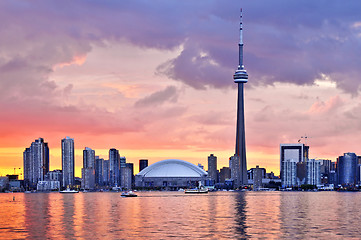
pixel 127 176
pixel 289 176
pixel 258 175
pixel 68 161
pixel 239 162
pixel 143 163
pixel 290 155
pixel 88 170
pixel 250 172
pixel 131 167
pixel 36 162
pixel 313 172
pixel 325 168
pixel 27 166
pixel 88 158
pixel 301 173
pixel 55 175
pixel 106 173
pixel 225 173
pixel 99 179
pixel 114 168
pixel 4 183
pixel 212 168
pixel 48 186
pixel 346 169
pixel 88 178
pixel 170 174
pixel 235 170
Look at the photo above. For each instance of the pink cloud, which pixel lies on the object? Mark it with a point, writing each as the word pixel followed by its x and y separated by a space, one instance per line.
pixel 325 107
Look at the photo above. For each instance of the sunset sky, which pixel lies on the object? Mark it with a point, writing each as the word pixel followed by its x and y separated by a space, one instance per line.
pixel 154 78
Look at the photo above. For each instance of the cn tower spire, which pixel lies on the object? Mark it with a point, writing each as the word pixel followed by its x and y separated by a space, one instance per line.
pixel 239 162
pixel 240 44
pixel 240 76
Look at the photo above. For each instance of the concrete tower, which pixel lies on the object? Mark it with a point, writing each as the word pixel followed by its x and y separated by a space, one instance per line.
pixel 240 77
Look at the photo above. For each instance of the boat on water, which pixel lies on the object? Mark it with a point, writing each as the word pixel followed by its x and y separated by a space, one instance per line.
pixel 68 190
pixel 199 189
pixel 196 190
pixel 129 194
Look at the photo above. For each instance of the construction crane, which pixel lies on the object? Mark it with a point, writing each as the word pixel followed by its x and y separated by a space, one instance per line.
pixel 305 137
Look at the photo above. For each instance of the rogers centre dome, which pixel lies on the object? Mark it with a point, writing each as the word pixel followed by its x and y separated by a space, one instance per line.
pixel 171 174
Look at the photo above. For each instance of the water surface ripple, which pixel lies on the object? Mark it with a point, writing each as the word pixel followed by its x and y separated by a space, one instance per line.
pixel 164 215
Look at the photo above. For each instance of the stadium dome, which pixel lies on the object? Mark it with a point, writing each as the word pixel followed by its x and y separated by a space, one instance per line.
pixel 170 173
pixel 172 168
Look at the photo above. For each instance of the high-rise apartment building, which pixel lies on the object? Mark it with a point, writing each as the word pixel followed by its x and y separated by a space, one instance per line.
pixel 106 173
pixel 27 167
pixel 212 168
pixel 313 172
pixel 225 173
pixel 114 167
pixel 291 156
pixel 88 158
pixel 99 168
pixel 127 176
pixel 68 161
pixel 258 174
pixel 88 171
pixel 36 162
pixel 289 172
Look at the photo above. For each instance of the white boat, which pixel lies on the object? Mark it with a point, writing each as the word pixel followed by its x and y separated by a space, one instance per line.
pixel 68 190
pixel 196 190
pixel 129 194
pixel 200 189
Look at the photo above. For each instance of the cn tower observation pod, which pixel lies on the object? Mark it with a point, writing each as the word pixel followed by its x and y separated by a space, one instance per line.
pixel 170 174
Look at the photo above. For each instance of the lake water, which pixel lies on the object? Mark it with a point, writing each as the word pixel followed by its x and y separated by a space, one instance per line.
pixel 163 215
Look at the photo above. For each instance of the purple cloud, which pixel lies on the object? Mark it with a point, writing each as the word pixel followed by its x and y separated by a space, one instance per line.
pixel 285 41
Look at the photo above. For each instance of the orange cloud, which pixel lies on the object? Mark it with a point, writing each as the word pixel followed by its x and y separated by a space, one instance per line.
pixel 77 60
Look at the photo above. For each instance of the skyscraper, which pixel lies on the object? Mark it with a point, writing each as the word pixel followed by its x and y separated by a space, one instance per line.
pixel 99 168
pixel 212 168
pixel 88 171
pixel 106 173
pixel 36 162
pixel 67 157
pixel 293 169
pixel 114 167
pixel 27 166
pixel 88 158
pixel 239 162
pixel 127 176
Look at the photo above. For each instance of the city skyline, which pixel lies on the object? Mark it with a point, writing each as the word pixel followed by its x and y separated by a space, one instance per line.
pixel 101 69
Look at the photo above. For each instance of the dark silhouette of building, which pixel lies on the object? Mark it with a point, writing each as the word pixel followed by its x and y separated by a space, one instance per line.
pixel 212 168
pixel 143 163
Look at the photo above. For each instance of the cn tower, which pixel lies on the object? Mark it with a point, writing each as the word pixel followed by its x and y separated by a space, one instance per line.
pixel 240 77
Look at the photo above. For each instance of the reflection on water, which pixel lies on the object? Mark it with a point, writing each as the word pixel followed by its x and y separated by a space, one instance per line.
pixel 159 215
